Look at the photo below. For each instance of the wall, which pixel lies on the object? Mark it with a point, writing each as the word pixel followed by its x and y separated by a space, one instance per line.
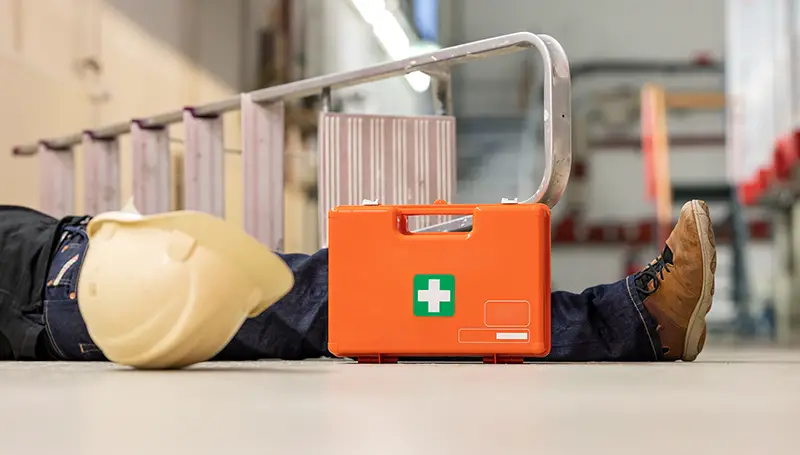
pixel 152 55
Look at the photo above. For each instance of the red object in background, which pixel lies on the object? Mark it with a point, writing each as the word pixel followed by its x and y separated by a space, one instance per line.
pixel 752 190
pixel 795 138
pixel 703 59
pixel 781 161
pixel 786 156
pixel 748 193
pixel 765 179
pixel 568 232
pixel 578 169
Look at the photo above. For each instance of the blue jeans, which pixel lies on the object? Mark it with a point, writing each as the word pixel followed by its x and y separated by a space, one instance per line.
pixel 603 323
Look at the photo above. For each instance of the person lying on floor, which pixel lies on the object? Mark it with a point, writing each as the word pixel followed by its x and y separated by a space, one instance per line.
pixel 656 314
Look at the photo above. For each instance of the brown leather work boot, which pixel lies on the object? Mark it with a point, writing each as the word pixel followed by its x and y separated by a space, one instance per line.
pixel 678 286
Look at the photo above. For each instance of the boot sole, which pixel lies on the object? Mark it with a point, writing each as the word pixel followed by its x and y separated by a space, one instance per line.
pixel 697 322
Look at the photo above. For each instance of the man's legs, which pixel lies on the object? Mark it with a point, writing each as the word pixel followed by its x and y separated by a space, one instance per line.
pixel 606 322
pixel 603 323
pixel 657 313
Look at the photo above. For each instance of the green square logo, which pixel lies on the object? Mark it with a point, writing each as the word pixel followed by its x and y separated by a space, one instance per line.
pixel 434 295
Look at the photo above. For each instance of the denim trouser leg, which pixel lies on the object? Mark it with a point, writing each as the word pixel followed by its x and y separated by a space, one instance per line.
pixel 296 327
pixel 606 322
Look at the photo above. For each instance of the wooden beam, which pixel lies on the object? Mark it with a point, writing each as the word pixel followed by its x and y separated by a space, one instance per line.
pixel 695 100
pixel 655 149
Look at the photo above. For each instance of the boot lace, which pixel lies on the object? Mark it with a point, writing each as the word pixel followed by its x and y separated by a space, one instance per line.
pixel 654 272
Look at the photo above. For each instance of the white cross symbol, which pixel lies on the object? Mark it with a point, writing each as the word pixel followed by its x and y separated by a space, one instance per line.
pixel 433 296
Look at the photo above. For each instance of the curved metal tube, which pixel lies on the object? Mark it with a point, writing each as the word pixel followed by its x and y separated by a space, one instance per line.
pixel 557 126
pixel 557 119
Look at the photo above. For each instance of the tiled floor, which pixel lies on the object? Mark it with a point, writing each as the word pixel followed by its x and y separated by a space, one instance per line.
pixel 743 401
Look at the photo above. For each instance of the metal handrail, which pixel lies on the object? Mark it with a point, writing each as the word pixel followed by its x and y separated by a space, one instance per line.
pixel 557 110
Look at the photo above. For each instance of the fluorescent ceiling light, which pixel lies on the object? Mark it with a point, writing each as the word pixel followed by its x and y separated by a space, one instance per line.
pixel 392 37
pixel 369 9
pixel 418 81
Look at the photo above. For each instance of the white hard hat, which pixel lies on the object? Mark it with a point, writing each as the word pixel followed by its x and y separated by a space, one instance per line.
pixel 170 290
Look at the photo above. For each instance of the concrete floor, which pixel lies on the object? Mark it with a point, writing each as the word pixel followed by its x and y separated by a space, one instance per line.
pixel 732 401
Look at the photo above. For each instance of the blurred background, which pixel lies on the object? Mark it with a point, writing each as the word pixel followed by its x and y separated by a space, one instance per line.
pixel 726 70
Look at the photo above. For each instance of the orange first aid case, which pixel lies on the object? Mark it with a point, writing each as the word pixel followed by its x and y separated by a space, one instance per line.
pixel 396 294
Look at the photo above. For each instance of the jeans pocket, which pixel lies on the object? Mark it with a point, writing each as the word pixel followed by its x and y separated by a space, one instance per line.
pixel 67 332
pixel 62 276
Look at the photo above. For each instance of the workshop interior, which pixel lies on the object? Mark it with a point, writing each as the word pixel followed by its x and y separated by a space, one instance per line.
pixel 273 114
